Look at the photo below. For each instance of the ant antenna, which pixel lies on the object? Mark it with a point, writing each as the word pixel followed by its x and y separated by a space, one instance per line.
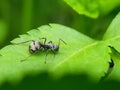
pixel 23 42
pixel 26 58
pixel 62 41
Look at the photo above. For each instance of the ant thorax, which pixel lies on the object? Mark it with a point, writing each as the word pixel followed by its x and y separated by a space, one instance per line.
pixel 48 46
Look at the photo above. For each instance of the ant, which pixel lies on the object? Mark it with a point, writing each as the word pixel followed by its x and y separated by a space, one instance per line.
pixel 36 47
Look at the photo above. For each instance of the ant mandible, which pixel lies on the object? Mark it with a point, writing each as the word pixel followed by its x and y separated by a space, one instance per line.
pixel 36 47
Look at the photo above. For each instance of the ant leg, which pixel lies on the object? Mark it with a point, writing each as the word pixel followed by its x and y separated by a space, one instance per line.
pixel 62 41
pixel 23 42
pixel 28 57
pixel 46 55
pixel 53 53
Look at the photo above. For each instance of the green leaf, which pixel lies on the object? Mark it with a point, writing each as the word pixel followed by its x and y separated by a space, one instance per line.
pixel 84 7
pixel 12 69
pixel 81 55
pixel 112 35
pixel 93 8
pixel 106 6
pixel 114 29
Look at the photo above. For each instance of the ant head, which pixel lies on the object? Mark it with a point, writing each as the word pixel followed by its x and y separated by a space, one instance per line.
pixel 35 47
pixel 55 48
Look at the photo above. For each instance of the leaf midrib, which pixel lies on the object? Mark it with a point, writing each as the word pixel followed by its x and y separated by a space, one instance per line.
pixel 73 54
pixel 87 46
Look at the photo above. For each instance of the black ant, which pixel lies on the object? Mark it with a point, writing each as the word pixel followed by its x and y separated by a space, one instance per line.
pixel 50 46
pixel 36 47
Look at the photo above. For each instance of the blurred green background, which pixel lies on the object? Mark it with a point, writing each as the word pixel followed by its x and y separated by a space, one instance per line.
pixel 19 16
